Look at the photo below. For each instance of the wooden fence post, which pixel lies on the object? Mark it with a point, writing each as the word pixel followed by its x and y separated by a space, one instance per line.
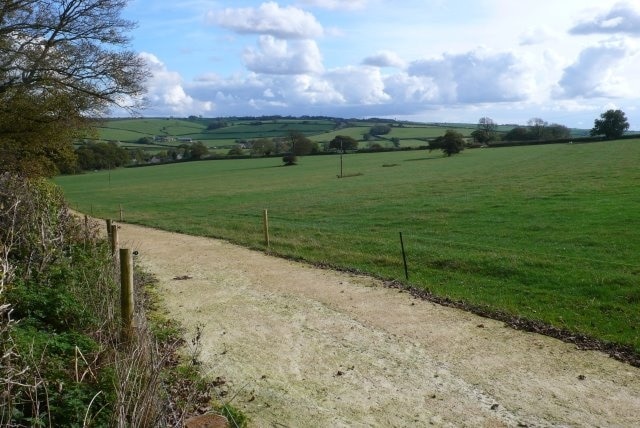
pixel 109 221
pixel 114 239
pixel 404 258
pixel 121 213
pixel 266 228
pixel 86 229
pixel 126 293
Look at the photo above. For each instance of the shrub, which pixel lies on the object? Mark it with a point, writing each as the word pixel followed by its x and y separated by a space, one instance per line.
pixel 289 159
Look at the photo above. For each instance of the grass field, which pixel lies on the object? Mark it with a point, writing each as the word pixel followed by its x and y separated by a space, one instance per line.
pixel 551 233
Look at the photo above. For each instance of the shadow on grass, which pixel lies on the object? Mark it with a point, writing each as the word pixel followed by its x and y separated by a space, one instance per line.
pixel 423 159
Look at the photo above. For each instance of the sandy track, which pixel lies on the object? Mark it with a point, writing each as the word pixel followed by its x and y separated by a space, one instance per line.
pixel 301 346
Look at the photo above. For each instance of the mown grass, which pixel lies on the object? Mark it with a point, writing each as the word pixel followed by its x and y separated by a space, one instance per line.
pixel 550 233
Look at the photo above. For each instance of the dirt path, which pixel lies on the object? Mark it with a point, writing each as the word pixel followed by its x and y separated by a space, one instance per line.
pixel 302 346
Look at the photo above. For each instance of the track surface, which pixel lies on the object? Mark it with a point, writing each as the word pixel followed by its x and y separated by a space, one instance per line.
pixel 301 346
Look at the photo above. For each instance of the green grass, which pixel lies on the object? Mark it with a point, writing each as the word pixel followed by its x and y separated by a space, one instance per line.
pixel 551 233
pixel 130 130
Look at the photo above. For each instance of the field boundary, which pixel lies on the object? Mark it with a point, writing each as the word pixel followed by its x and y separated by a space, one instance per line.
pixel 583 342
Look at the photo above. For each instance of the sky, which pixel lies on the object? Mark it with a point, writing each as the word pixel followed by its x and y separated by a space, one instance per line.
pixel 564 61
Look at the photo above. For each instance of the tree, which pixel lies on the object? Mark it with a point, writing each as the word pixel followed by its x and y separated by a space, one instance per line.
pixel 451 143
pixel 537 128
pixel 217 125
pixel 305 147
pixel 300 145
pixel 485 130
pixel 556 132
pixel 289 159
pixel 343 143
pixel 235 151
pixel 481 136
pixel 197 150
pixel 101 156
pixel 380 130
pixel 519 133
pixel 262 146
pixel 611 124
pixel 61 63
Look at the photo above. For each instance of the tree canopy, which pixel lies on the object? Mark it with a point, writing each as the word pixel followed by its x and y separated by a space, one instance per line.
pixel 262 146
pixel 486 130
pixel 301 145
pixel 343 143
pixel 612 124
pixel 538 130
pixel 101 156
pixel 61 63
pixel 380 130
pixel 450 143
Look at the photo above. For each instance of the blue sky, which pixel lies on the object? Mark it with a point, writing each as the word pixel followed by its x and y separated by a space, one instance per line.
pixel 429 60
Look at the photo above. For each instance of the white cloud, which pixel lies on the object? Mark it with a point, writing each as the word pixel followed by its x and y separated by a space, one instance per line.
pixel 475 77
pixel 385 59
pixel 593 74
pixel 282 22
pixel 165 89
pixel 275 56
pixel 307 90
pixel 336 4
pixel 403 88
pixel 358 85
pixel 536 36
pixel 621 19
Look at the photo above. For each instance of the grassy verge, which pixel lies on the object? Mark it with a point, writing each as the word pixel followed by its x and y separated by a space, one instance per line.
pixel 545 233
pixel 62 360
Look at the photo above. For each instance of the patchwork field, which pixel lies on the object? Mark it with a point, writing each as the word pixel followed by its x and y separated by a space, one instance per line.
pixel 129 131
pixel 550 233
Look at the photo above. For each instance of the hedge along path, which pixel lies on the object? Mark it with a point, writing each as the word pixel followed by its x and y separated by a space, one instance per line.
pixel 302 346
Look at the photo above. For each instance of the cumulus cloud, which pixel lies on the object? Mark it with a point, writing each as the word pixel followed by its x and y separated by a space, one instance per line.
pixel 384 59
pixel 328 93
pixel 592 75
pixel 282 22
pixel 336 4
pixel 305 90
pixel 621 19
pixel 165 88
pixel 475 78
pixel 403 88
pixel 358 85
pixel 239 95
pixel 274 56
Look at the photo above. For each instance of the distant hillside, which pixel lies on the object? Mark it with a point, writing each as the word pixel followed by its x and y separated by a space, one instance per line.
pixel 153 134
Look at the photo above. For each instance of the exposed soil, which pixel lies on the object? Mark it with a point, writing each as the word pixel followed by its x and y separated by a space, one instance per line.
pixel 295 345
